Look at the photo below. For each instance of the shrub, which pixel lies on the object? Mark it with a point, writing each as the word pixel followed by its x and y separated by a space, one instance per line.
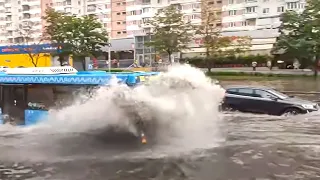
pixel 228 60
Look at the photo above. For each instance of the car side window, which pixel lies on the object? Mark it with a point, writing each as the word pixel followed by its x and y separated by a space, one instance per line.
pixel 263 94
pixel 232 91
pixel 246 92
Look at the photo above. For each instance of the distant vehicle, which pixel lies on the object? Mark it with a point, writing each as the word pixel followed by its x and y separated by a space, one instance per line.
pixel 265 100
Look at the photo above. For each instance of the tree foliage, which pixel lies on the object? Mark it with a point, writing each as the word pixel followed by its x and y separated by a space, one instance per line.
pixel 300 34
pixel 170 33
pixel 79 36
pixel 217 45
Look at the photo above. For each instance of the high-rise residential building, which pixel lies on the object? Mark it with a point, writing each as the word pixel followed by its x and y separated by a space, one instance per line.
pixel 125 20
pixel 191 9
pixel 259 19
pixel 21 22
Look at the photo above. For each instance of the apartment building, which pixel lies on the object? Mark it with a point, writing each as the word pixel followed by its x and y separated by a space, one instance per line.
pixel 22 18
pixel 259 19
pixel 125 20
pixel 16 18
pixel 139 14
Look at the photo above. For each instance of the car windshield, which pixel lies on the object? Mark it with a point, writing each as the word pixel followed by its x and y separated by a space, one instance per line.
pixel 279 94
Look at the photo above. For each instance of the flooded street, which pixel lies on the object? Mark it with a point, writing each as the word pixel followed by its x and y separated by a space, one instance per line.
pixel 251 147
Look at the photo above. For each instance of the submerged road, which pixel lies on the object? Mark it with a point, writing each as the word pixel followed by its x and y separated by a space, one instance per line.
pixel 255 147
pixel 247 147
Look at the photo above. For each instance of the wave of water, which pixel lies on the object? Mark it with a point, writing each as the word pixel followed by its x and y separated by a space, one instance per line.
pixel 183 103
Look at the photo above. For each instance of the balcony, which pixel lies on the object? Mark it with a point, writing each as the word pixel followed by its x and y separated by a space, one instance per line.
pixel 291 1
pixel 67 3
pixel 9 28
pixel 146 2
pixel 7 5
pixel 250 15
pixel 249 3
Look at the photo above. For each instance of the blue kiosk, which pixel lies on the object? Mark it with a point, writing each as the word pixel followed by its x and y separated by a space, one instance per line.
pixel 28 93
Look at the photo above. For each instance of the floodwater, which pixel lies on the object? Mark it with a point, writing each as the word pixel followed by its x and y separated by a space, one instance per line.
pixel 237 147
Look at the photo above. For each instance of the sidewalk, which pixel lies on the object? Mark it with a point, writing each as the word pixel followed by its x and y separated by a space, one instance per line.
pixel 264 70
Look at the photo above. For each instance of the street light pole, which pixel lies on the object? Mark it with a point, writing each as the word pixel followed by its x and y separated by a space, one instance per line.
pixel 109 54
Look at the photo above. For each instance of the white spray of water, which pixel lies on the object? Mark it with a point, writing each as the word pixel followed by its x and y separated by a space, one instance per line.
pixel 183 102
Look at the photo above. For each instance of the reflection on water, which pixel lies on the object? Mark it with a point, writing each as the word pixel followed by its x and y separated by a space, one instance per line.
pixel 256 147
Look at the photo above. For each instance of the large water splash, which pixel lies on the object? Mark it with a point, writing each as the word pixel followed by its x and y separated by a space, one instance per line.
pixel 183 103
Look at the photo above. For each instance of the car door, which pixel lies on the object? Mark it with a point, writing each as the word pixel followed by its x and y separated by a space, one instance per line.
pixel 240 99
pixel 248 102
pixel 265 102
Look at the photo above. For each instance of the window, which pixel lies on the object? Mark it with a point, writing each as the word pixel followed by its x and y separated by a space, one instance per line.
pixel 219 2
pixel 232 12
pixel 265 0
pixel 118 4
pixel 159 1
pixel 133 13
pixel 124 22
pixel 232 91
pixel 245 92
pixel 145 10
pixel 244 23
pixel 292 5
pixel 278 94
pixel 118 32
pixel 124 12
pixel 231 1
pixel 118 22
pixel 264 94
pixel 301 6
pixel 232 24
pixel 124 32
pixel 196 6
pixel 124 3
pixel 250 10
pixel 118 13
pixel 265 10
pixel 280 9
pixel 210 3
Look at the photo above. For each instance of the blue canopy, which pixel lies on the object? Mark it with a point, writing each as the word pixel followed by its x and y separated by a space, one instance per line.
pixel 79 78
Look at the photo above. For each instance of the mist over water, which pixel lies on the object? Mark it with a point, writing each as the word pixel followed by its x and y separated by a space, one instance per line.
pixel 182 104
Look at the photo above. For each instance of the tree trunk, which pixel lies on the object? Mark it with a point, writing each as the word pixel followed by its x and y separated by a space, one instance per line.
pixel 315 70
pixel 61 59
pixel 169 54
pixel 83 62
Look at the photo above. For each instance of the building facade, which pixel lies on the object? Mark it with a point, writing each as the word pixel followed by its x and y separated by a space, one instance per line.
pixel 192 10
pixel 124 20
pixel 258 19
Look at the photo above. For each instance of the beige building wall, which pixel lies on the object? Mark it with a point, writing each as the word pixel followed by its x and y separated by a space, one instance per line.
pixel 118 19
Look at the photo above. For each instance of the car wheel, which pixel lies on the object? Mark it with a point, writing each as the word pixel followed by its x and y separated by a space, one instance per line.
pixel 291 112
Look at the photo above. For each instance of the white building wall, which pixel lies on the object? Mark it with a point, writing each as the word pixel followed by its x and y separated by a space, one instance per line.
pixel 266 19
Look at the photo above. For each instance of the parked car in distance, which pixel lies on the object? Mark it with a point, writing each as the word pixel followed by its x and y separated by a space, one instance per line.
pixel 265 100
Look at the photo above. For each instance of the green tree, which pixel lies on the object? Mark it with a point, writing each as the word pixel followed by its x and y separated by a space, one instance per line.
pixel 216 45
pixel 300 34
pixel 79 36
pixel 170 32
